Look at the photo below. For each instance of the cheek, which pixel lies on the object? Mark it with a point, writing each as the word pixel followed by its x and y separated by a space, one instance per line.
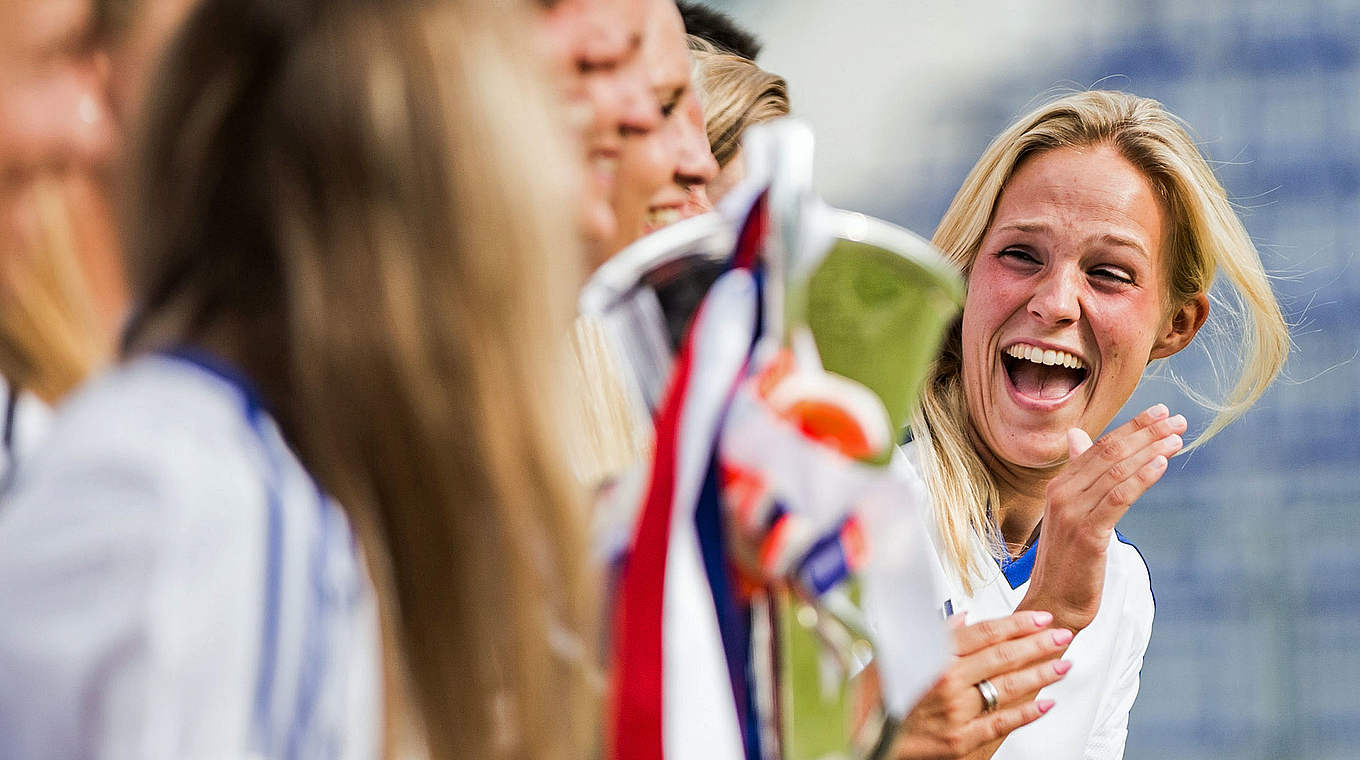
pixel 655 166
pixel 990 302
pixel 1125 334
pixel 632 175
pixel 641 174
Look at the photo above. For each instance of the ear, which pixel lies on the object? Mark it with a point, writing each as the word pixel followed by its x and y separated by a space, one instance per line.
pixel 1181 327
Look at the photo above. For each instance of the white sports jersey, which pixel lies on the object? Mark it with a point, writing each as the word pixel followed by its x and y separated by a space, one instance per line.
pixel 174 585
pixel 24 420
pixel 1091 704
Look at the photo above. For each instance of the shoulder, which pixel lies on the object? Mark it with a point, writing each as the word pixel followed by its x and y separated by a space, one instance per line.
pixel 145 484
pixel 133 524
pixel 147 458
pixel 154 424
pixel 152 459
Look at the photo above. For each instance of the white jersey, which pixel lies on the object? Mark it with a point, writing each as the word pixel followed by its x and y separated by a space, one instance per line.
pixel 24 420
pixel 174 585
pixel 1091 704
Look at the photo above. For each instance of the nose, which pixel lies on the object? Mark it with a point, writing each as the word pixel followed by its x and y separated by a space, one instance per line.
pixel 696 165
pixel 87 130
pixel 1056 300
pixel 637 108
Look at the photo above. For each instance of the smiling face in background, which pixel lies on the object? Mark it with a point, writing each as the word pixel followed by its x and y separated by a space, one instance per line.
pixel 662 173
pixel 1066 303
pixel 54 111
pixel 595 45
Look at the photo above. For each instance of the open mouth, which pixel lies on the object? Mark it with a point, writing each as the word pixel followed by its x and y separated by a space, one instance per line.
pixel 1043 373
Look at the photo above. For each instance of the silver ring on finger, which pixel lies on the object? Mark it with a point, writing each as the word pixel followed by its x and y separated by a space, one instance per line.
pixel 989 695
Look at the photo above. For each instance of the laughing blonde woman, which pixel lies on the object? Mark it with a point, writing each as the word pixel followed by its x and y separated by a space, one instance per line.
pixel 1089 232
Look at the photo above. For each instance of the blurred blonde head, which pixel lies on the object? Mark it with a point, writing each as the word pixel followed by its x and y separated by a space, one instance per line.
pixel 736 95
pixel 1205 237
pixel 367 205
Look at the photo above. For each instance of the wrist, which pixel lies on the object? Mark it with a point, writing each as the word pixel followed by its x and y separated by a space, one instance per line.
pixel 1067 616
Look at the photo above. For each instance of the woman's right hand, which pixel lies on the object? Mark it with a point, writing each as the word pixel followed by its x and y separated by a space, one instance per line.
pixel 1096 487
pixel 1017 655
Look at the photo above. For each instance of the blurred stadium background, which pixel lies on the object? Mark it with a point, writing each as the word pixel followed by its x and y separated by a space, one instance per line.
pixel 1254 541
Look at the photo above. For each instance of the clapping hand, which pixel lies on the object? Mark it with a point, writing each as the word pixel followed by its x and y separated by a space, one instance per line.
pixel 1099 484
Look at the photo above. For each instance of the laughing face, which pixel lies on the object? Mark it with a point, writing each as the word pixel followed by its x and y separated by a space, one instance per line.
pixel 1066 303
pixel 662 173
pixel 595 47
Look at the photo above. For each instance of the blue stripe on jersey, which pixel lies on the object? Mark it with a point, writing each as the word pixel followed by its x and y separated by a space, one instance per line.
pixel 315 643
pixel 273 582
pixel 1017 570
pixel 1124 540
pixel 11 406
pixel 262 729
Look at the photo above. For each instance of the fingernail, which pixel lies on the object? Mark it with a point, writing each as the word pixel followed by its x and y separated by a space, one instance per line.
pixel 1042 619
pixel 1045 705
pixel 1159 462
pixel 1062 636
pixel 1178 419
pixel 1158 411
pixel 1061 667
pixel 1176 441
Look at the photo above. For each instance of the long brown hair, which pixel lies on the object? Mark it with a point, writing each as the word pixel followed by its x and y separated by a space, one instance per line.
pixel 365 205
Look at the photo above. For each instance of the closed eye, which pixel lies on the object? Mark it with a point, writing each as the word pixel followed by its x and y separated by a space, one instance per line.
pixel 1019 255
pixel 669 101
pixel 1112 274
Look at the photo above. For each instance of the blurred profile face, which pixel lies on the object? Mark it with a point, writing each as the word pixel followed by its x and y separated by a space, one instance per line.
pixel 663 173
pixel 54 108
pixel 1066 303
pixel 595 46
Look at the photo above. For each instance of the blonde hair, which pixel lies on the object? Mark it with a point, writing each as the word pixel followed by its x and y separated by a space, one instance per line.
pixel 1206 236
pixel 736 94
pixel 366 206
pixel 55 329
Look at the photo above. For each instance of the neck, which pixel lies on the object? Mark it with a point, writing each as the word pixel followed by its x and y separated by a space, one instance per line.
pixel 1021 491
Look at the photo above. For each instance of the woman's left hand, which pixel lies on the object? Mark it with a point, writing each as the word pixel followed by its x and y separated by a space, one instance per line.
pixel 1098 485
pixel 1015 656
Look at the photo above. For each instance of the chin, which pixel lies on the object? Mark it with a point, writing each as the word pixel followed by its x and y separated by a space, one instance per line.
pixel 1036 450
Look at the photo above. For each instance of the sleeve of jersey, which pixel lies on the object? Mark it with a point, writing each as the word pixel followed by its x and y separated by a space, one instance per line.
pixel 98 657
pixel 1112 720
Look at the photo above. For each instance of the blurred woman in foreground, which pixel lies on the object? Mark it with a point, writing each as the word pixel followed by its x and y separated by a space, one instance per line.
pixel 1090 232
pixel 347 251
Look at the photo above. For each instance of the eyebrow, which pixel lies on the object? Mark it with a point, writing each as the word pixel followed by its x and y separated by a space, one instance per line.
pixel 1108 238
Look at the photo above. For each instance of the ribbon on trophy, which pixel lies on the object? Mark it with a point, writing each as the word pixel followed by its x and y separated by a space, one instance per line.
pixel 771 540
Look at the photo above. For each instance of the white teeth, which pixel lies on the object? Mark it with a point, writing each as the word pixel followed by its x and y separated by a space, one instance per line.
pixel 663 217
pixel 1044 356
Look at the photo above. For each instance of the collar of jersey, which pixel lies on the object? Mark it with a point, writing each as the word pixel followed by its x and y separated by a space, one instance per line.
pixel 222 370
pixel 1017 569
